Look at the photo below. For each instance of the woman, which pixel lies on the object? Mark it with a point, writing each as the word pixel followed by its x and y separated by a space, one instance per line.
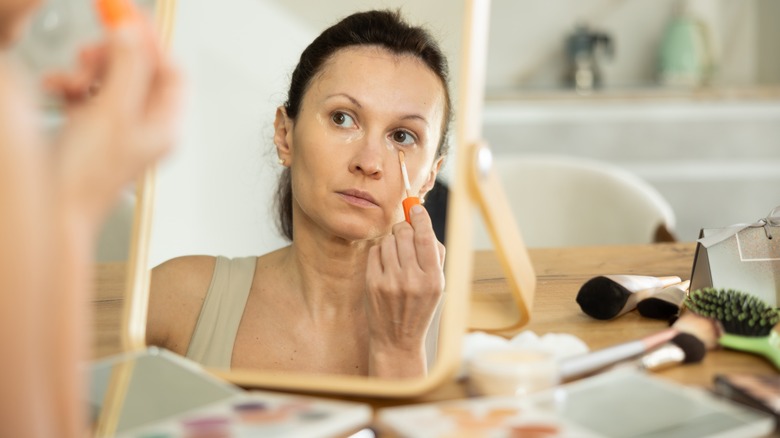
pixel 356 291
pixel 53 199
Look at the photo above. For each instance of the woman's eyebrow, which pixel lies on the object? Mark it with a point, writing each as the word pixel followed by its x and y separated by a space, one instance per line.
pixel 351 99
pixel 358 104
pixel 416 117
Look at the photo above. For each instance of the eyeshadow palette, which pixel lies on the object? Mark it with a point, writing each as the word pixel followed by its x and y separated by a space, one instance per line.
pixel 157 394
pixel 256 413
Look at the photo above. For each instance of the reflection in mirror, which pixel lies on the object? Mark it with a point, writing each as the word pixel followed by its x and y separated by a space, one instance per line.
pixel 358 290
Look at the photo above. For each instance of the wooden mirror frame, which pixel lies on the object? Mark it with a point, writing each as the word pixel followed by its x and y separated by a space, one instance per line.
pixel 473 184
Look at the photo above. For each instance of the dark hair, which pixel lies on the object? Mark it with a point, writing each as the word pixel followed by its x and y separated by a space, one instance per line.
pixel 385 29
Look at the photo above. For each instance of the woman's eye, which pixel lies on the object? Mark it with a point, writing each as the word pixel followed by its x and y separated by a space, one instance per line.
pixel 342 119
pixel 403 137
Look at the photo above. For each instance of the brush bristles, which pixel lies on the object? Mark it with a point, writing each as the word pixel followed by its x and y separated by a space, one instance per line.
pixel 739 313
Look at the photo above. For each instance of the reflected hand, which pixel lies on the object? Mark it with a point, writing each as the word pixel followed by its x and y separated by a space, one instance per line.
pixel 405 280
pixel 112 134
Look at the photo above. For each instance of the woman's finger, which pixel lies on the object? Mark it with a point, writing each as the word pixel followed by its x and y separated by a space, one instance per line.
pixel 93 59
pixel 163 106
pixel 129 69
pixel 389 255
pixel 407 254
pixel 374 263
pixel 442 253
pixel 81 82
pixel 63 86
pixel 425 242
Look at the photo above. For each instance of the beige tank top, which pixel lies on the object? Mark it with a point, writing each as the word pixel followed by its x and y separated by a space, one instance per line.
pixel 215 332
pixel 217 326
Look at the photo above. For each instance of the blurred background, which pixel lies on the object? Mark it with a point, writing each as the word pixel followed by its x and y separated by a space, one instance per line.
pixel 685 94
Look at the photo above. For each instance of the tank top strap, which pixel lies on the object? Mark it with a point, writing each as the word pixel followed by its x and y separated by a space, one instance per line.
pixel 215 332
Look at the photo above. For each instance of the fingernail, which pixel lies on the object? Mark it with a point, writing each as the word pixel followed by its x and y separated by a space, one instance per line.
pixel 417 209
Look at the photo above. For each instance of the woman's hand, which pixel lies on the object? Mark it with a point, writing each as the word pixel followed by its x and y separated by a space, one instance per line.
pixel 122 102
pixel 405 281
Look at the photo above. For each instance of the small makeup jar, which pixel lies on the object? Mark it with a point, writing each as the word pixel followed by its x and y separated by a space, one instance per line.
pixel 515 372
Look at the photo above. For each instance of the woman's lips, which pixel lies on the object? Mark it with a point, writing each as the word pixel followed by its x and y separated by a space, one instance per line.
pixel 358 197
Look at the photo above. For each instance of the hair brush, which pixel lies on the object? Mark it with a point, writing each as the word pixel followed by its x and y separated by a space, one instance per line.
pixel 747 321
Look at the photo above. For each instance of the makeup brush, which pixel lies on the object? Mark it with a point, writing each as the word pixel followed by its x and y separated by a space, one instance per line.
pixel 410 200
pixel 664 303
pixel 683 348
pixel 583 364
pixel 685 342
pixel 706 330
pixel 609 296
pixel 748 322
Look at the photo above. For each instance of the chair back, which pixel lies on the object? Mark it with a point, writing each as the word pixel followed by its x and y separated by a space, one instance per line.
pixel 573 201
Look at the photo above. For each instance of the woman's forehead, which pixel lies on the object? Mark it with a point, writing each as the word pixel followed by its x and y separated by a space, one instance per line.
pixel 374 76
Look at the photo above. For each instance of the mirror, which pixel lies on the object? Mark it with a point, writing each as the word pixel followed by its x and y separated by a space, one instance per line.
pixel 120 387
pixel 239 58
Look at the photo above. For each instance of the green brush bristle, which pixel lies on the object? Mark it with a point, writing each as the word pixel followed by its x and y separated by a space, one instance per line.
pixel 738 312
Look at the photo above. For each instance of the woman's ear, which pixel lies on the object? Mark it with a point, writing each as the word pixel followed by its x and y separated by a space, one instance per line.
pixel 283 129
pixel 431 177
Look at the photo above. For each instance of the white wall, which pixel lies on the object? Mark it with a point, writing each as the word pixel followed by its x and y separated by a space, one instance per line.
pixel 214 194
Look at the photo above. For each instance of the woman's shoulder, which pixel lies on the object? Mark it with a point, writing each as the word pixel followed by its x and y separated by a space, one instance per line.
pixel 177 290
pixel 186 274
pixel 190 268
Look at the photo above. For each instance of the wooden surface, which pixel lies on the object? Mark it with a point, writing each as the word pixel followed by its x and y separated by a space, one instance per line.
pixel 560 271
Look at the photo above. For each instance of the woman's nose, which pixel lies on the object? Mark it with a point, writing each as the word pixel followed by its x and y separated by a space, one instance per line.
pixel 368 157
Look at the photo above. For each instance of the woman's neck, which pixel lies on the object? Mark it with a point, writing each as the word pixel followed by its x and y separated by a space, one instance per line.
pixel 328 273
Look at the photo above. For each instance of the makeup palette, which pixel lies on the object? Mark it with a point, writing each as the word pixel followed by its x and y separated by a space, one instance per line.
pixel 158 394
pixel 617 403
pixel 265 414
pixel 478 417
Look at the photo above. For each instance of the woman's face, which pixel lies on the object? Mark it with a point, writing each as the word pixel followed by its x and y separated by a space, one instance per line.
pixel 362 108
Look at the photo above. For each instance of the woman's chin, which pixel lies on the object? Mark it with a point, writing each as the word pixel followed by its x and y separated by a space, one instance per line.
pixel 361 232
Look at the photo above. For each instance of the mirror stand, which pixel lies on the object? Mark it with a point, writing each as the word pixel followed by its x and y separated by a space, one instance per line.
pixel 496 312
pixel 493 312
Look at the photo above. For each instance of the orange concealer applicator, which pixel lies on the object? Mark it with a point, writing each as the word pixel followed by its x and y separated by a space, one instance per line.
pixel 410 201
pixel 115 12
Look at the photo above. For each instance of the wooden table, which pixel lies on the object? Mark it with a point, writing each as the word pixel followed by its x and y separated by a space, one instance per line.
pixel 560 271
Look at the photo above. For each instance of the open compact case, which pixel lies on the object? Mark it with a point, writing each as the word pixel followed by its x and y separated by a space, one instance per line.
pixel 474 184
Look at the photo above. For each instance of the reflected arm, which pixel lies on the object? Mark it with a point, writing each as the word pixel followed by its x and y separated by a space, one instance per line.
pixel 177 291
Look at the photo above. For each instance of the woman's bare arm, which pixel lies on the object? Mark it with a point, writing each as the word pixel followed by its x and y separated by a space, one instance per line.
pixel 176 294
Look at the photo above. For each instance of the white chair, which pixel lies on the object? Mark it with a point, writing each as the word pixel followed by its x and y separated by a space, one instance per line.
pixel 571 201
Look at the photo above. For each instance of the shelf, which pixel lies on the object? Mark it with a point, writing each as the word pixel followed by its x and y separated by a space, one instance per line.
pixel 758 93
